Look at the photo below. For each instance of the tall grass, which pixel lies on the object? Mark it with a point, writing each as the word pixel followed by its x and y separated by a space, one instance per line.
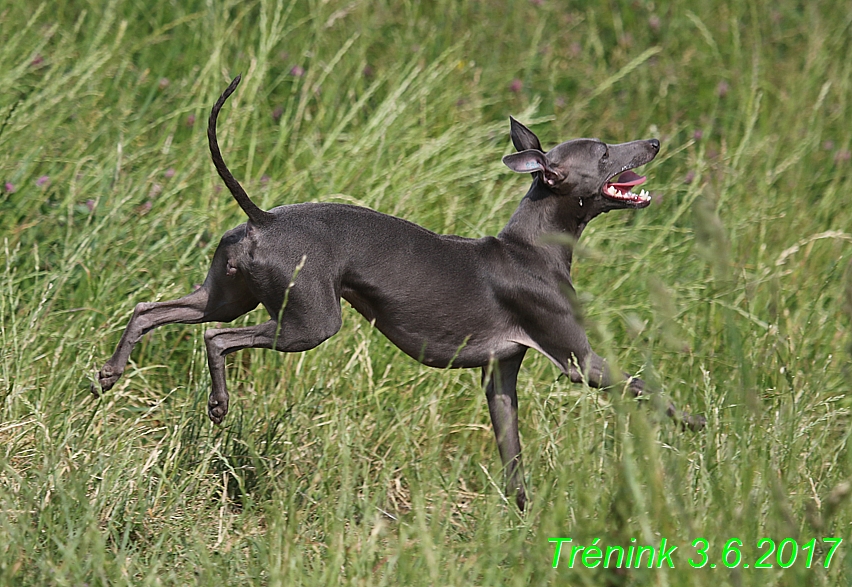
pixel 352 464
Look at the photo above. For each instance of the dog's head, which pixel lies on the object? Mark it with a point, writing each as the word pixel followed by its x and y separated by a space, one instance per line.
pixel 599 175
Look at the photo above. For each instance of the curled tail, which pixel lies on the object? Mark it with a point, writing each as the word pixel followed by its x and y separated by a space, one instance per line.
pixel 255 215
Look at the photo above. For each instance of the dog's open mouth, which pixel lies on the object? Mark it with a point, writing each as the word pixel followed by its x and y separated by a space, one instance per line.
pixel 621 189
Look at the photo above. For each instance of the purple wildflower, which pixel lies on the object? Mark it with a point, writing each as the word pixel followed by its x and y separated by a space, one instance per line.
pixel 654 23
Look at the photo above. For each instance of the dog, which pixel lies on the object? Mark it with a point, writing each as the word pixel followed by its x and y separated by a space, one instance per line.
pixel 446 301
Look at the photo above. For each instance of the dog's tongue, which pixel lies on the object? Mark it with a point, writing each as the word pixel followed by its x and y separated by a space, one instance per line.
pixel 627 180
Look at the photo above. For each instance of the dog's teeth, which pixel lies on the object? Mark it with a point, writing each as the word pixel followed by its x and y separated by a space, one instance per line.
pixel 614 192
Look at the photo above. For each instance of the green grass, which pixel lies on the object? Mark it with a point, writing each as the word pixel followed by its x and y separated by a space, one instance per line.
pixel 352 464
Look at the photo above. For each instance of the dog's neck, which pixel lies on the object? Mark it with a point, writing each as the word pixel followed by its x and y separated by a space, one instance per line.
pixel 543 212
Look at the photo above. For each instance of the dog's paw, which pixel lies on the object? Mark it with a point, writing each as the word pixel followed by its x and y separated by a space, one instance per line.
pixel 107 377
pixel 694 423
pixel 217 409
pixel 521 499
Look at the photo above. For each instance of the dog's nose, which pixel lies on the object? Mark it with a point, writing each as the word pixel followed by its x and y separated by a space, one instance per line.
pixel 655 144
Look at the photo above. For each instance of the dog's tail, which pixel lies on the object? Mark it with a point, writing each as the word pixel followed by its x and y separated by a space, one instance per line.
pixel 256 216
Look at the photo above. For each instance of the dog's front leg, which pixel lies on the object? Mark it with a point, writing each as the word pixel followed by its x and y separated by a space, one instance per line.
pixel 597 374
pixel 500 390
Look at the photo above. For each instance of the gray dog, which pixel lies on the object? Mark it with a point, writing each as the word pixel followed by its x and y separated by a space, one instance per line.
pixel 446 301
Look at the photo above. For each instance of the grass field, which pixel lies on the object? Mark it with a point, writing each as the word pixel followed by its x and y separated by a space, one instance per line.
pixel 352 464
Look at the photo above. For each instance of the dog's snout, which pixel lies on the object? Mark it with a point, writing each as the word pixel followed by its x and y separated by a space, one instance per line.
pixel 655 144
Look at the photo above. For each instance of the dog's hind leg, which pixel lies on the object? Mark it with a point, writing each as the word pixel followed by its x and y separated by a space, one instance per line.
pixel 194 308
pixel 224 296
pixel 501 392
pixel 293 335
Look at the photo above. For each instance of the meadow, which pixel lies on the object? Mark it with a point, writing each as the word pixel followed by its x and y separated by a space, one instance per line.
pixel 352 464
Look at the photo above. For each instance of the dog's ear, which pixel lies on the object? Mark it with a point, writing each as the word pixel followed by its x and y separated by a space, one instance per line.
pixel 523 138
pixel 533 161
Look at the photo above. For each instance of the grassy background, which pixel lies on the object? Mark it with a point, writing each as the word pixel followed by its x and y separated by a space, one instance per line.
pixel 352 464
